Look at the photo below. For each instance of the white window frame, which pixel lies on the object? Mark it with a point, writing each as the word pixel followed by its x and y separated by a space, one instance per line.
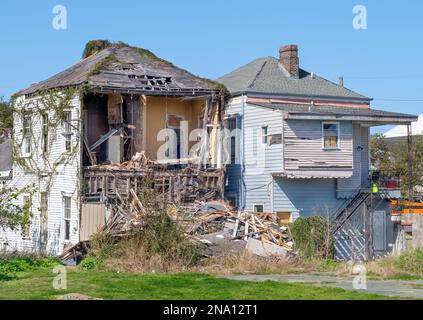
pixel 26 135
pixel 67 130
pixel 67 218
pixel 26 231
pixel 257 204
pixel 264 137
pixel 338 143
pixel 44 133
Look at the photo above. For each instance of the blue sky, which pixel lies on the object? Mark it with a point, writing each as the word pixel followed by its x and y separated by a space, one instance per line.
pixel 212 38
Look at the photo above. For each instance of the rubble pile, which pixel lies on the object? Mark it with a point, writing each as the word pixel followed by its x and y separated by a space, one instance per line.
pixel 214 225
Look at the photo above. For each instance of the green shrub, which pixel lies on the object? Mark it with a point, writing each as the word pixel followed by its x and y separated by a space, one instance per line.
pixel 90 263
pixel 313 237
pixel 11 265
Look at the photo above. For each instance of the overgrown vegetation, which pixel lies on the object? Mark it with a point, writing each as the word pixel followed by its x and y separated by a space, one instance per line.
pixel 6 115
pixel 161 244
pixel 13 215
pixel 409 265
pixel 11 265
pixel 103 65
pixel 313 237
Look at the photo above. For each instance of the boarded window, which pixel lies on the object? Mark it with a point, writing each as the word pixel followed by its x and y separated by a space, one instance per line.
pixel 67 214
pixel 331 135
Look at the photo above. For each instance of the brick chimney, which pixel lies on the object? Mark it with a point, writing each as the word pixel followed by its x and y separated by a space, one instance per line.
pixel 288 57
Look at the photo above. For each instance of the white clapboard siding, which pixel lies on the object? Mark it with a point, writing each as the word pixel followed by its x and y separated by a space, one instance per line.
pixel 65 182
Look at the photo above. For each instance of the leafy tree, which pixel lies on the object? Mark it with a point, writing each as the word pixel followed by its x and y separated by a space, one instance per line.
pixel 392 156
pixel 380 154
pixel 12 215
pixel 6 114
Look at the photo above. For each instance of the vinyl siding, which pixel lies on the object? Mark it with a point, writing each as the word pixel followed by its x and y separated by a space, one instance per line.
pixel 347 188
pixel 303 141
pixel 233 184
pixel 306 197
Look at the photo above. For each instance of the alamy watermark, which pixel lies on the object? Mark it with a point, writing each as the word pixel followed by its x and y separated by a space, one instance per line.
pixel 60 19
pixel 360 17
pixel 60 282
pixel 360 277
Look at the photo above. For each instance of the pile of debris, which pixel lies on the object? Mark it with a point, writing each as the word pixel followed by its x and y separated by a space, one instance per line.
pixel 213 225
pixel 224 229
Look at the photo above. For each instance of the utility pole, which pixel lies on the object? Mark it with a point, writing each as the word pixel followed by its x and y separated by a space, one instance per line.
pixel 410 164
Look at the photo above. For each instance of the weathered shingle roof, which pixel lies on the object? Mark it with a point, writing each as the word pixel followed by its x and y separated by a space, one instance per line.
pixel 131 69
pixel 337 111
pixel 268 76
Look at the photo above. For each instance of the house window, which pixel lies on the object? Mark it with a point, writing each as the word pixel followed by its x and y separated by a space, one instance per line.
pixel 44 142
pixel 67 129
pixel 264 135
pixel 331 135
pixel 67 217
pixel 233 150
pixel 44 204
pixel 231 125
pixel 258 208
pixel 27 134
pixel 27 205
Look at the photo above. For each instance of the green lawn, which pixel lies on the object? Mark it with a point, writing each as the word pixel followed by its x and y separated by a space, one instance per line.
pixel 110 285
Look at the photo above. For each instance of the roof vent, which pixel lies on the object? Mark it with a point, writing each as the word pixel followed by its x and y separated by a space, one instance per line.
pixel 341 81
pixel 313 76
pixel 288 57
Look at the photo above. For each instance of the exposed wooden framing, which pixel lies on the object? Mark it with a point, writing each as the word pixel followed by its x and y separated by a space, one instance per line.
pixel 174 186
pixel 204 137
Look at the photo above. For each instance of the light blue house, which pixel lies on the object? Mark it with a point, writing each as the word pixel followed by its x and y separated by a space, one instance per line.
pixel 302 149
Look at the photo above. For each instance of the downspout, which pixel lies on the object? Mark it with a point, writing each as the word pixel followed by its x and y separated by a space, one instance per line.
pixel 244 188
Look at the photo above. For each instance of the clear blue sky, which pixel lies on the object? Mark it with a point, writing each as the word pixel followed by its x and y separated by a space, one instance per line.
pixel 212 38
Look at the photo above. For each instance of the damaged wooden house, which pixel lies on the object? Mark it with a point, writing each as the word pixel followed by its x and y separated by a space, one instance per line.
pixel 118 118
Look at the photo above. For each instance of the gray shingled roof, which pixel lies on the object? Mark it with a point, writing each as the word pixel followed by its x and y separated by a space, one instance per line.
pixel 268 76
pixel 337 111
pixel 134 71
pixel 6 149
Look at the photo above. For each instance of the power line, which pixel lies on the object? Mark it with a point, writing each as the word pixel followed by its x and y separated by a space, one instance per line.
pixel 399 100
